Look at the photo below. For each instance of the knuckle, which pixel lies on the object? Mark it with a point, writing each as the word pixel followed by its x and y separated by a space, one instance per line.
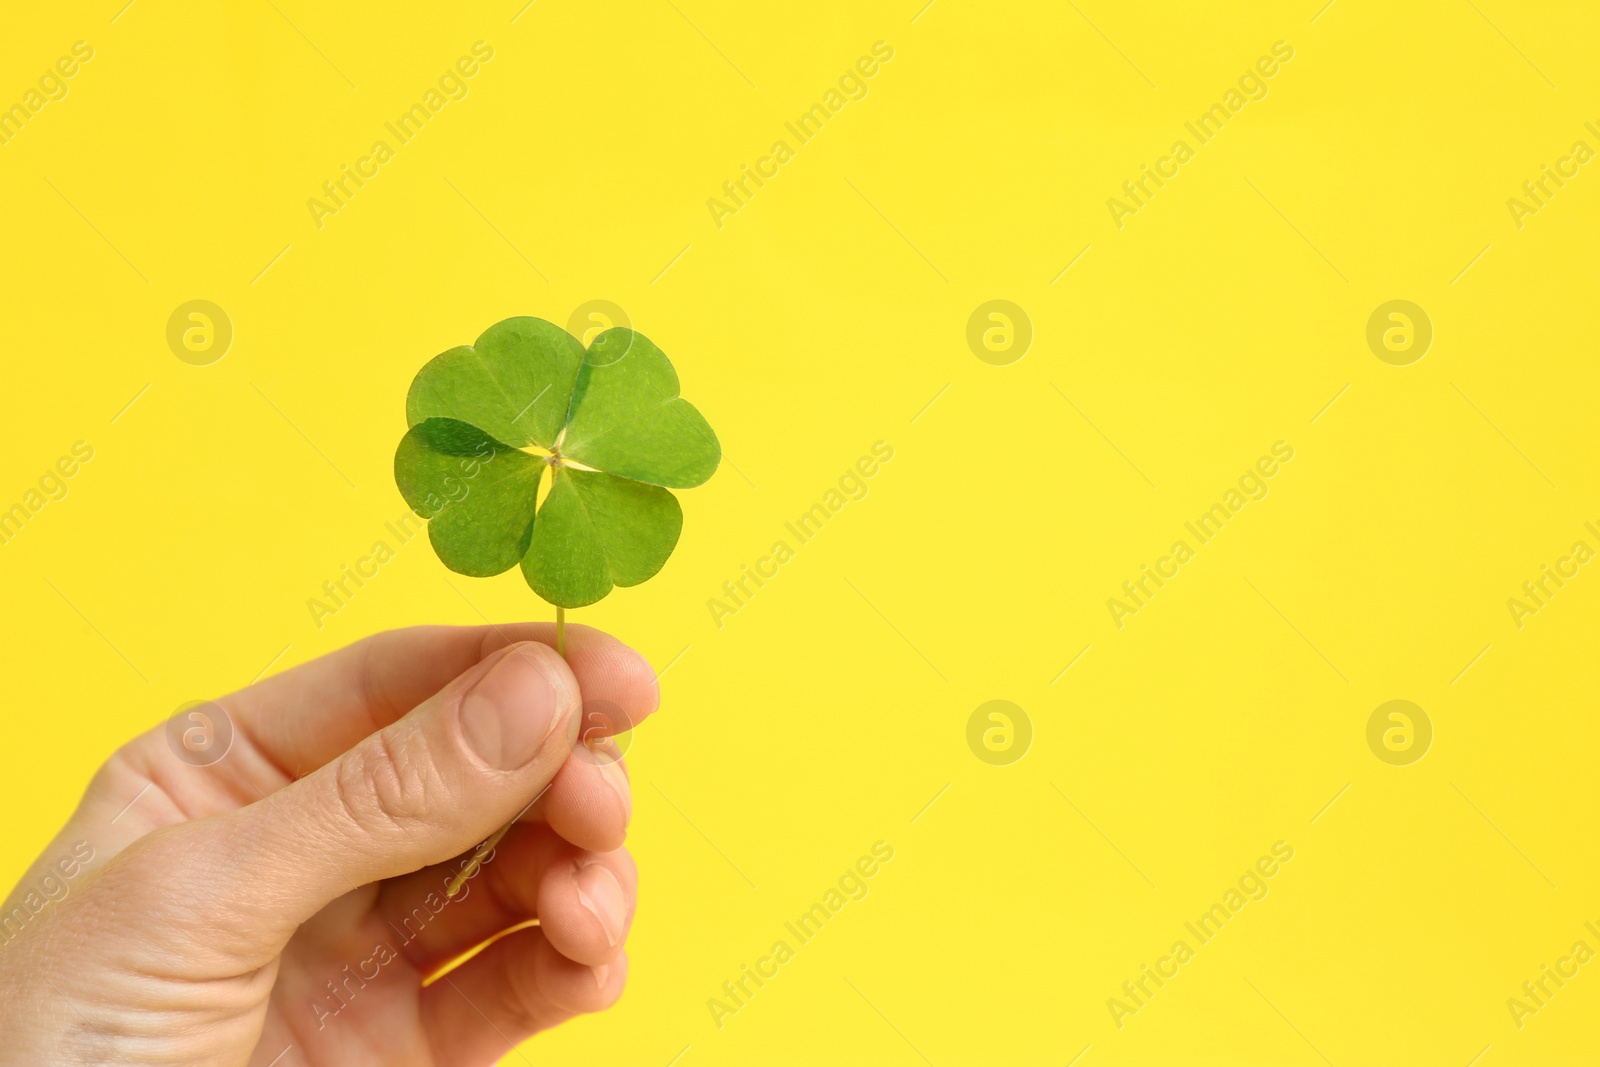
pixel 129 763
pixel 385 788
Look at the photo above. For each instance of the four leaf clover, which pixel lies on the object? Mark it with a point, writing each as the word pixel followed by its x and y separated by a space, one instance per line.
pixel 488 420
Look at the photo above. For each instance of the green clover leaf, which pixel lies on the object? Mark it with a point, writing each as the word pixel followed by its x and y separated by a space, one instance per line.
pixel 487 421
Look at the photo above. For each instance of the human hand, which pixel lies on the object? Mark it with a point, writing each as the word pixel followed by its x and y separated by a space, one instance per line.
pixel 284 905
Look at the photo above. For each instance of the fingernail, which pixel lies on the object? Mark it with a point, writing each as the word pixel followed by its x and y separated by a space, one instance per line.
pixel 509 712
pixel 602 971
pixel 601 893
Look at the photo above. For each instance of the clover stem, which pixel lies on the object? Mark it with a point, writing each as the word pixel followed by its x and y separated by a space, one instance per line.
pixel 479 857
pixel 483 851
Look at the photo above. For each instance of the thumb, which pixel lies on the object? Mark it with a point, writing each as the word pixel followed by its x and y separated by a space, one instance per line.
pixel 418 792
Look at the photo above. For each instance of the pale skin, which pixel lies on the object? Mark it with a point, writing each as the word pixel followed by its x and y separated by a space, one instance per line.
pixel 220 900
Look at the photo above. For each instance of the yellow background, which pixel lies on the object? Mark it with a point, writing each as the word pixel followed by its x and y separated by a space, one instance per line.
pixel 822 317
